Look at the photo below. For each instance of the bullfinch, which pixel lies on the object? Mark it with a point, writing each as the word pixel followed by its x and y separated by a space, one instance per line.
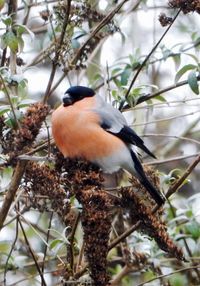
pixel 87 127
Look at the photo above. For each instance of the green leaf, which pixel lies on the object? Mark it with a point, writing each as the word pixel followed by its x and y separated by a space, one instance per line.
pixel 125 76
pixel 183 70
pixel 55 242
pixel 10 40
pixel 189 213
pixel 193 82
pixel 5 177
pixel 115 71
pixel 178 280
pixel 161 98
pixel 25 103
pixel 4 109
pixel 193 228
pixel 195 58
pixel 166 53
pixel 9 122
pixel 177 60
pixel 75 44
pixel 117 82
pixel 21 44
pixel 22 29
pixel 194 35
pixel 7 21
pixel 135 65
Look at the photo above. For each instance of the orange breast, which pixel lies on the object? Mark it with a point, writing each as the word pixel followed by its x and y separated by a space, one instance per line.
pixel 77 133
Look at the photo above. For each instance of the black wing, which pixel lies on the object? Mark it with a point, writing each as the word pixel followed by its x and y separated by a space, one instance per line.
pixel 128 135
pixel 114 122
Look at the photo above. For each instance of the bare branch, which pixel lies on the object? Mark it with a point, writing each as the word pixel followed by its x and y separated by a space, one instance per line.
pixel 148 56
pixel 11 192
pixel 57 52
pixel 104 22
pixel 176 186
pixel 32 254
pixel 169 274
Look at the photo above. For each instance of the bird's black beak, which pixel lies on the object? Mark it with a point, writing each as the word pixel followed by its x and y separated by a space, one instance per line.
pixel 67 99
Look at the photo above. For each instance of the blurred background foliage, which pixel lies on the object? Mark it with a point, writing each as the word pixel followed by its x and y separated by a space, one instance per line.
pixel 47 46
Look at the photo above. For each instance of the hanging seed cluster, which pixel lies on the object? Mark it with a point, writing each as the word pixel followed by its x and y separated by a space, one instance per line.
pixel 43 181
pixel 18 141
pixel 186 6
pixel 142 193
pixel 83 16
pixel 151 224
pixel 164 19
pixel 140 205
pixel 86 184
pixel 96 223
pixel 67 178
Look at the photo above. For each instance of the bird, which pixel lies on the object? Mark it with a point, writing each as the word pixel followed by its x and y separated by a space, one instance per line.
pixel 86 126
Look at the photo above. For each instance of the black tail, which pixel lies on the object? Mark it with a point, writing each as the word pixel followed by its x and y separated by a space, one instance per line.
pixel 145 149
pixel 156 194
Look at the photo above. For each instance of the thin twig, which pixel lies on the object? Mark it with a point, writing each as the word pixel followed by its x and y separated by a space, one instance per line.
pixel 171 191
pixel 49 139
pixel 148 56
pixel 195 44
pixel 30 277
pixel 27 13
pixel 71 239
pixel 169 147
pixel 166 104
pixel 153 95
pixel 11 192
pixel 42 55
pixel 80 257
pixel 165 119
pixel 172 136
pixel 46 245
pixel 11 249
pixel 173 159
pixel 104 22
pixel 57 52
pixel 178 183
pixel 10 101
pixel 169 274
pixel 125 271
pixel 36 229
pixel 32 254
pixel 189 252
pixel 13 54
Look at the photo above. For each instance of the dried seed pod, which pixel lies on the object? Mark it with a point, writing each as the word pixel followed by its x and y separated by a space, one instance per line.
pixel 186 6
pixel 151 224
pixel 18 141
pixel 164 19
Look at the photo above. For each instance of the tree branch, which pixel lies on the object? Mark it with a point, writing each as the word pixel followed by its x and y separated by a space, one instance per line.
pixel 147 58
pixel 169 274
pixel 33 255
pixel 104 22
pixel 176 186
pixel 57 52
pixel 11 192
pixel 153 95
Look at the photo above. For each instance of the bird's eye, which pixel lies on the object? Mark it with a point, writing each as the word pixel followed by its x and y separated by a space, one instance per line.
pixel 67 99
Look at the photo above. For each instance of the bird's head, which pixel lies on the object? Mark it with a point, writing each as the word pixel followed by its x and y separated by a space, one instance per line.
pixel 76 93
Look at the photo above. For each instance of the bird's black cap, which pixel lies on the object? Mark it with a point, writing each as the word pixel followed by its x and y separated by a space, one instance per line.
pixel 76 93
